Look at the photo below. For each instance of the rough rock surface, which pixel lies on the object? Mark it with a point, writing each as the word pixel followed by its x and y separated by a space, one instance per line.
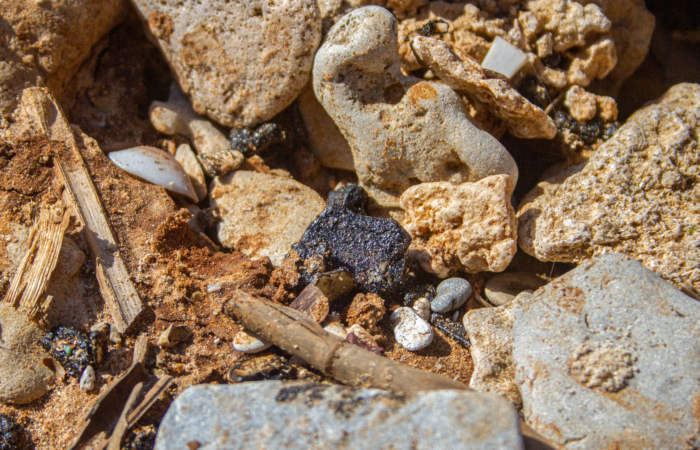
pixel 366 310
pixel 607 356
pixel 402 131
pixel 262 215
pixel 637 195
pixel 273 414
pixel 23 376
pixel 470 227
pixel 490 332
pixel 240 62
pixel 466 76
pixel 584 106
pixel 44 43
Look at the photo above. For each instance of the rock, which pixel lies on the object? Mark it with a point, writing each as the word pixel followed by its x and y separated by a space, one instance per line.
pixel 504 287
pixel 240 63
pixel 608 355
pixel 451 294
pixel 87 379
pixel 335 283
pixel 584 106
pixel 23 375
pixel 467 77
pixel 45 44
pixel 402 130
pixel 173 335
pixel 262 215
pixel 470 227
pixel 411 332
pixel 634 195
pixel 247 342
pixel 366 310
pixel 422 307
pixel 298 415
pixel 325 139
pixel 490 332
pixel 372 250
pixel 187 159
pixel 350 196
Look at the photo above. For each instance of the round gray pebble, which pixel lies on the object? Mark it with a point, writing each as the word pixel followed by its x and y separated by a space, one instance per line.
pixel 451 294
pixel 502 288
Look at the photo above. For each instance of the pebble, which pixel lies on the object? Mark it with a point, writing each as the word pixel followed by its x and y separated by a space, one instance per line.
pixel 451 294
pixel 411 332
pixel 173 335
pixel 157 167
pixel 504 287
pixel 301 416
pixel 422 307
pixel 246 342
pixel 87 379
pixel 241 63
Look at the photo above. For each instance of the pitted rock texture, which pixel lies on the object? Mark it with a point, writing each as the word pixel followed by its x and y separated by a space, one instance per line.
pixel 470 227
pixel 301 416
pixel 638 195
pixel 584 106
pixel 262 215
pixel 44 43
pixel 402 131
pixel 239 62
pixel 607 356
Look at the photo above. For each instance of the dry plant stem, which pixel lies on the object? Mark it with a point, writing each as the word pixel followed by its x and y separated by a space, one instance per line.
pixel 295 333
pixel 28 288
pixel 115 441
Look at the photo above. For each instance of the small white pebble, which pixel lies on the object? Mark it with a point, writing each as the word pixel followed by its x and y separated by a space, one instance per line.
pixel 248 343
pixel 411 332
pixel 213 287
pixel 87 379
pixel 422 308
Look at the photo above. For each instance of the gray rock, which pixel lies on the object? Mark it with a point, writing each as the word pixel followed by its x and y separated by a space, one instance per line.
pixel 451 294
pixel 276 415
pixel 608 355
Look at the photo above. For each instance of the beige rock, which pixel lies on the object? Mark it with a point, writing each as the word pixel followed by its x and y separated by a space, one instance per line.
pixel 502 288
pixel 467 77
pixel 23 376
pixel 173 335
pixel 186 157
pixel 490 332
pixel 402 131
pixel 324 137
pixel 44 44
pixel 584 106
pixel 333 10
pixel 262 215
pixel 240 62
pixel 470 227
pixel 634 196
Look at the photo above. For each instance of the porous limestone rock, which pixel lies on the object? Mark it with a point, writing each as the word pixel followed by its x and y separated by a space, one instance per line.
pixel 239 62
pixel 470 227
pixel 262 214
pixel 467 77
pixel 607 356
pixel 402 130
pixel 44 43
pixel 490 332
pixel 637 195
pixel 584 106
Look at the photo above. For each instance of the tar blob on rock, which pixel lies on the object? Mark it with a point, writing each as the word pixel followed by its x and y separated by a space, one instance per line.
pixel 589 131
pixel 69 347
pixel 9 433
pixel 351 196
pixel 248 141
pixel 372 250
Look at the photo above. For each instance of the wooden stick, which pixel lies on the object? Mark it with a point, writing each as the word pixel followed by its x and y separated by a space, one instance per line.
pixel 115 441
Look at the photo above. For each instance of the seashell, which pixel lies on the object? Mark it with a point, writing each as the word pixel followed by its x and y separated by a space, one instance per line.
pixel 247 342
pixel 157 167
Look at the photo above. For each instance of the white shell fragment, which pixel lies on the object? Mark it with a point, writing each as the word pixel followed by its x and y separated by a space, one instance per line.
pixel 246 342
pixel 87 379
pixel 411 332
pixel 504 58
pixel 155 166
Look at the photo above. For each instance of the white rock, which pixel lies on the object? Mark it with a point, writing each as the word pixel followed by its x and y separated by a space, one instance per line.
pixel 247 342
pixel 87 379
pixel 155 166
pixel 185 156
pixel 504 58
pixel 411 332
pixel 422 308
pixel 335 328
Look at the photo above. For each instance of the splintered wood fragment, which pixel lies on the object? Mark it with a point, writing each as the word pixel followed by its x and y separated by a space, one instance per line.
pixel 312 302
pixel 28 287
pixel 115 441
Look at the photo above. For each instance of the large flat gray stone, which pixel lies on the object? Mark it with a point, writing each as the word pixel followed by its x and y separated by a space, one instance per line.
pixel 297 415
pixel 608 356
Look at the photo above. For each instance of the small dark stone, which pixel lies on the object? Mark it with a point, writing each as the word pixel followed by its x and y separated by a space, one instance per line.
pixel 425 290
pixel 351 196
pixel 455 330
pixel 9 433
pixel 248 141
pixel 69 347
pixel 372 250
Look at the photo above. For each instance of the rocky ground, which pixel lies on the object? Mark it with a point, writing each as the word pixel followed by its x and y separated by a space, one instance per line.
pixel 367 224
